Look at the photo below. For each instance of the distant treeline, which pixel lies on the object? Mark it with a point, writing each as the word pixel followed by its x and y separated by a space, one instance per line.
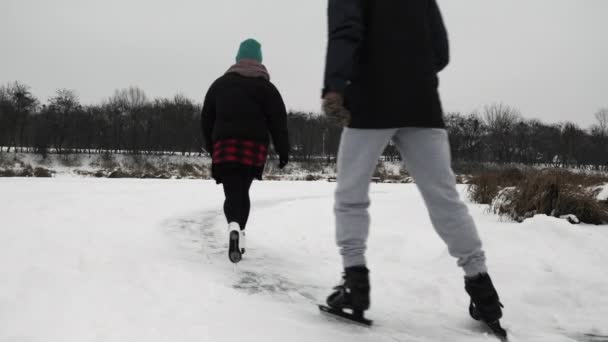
pixel 129 122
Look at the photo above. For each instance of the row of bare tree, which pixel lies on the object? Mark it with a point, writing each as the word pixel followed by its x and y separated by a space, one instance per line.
pixel 126 122
pixel 500 134
pixel 129 122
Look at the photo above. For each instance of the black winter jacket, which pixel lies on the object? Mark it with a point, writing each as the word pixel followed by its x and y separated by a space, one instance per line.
pixel 384 56
pixel 238 107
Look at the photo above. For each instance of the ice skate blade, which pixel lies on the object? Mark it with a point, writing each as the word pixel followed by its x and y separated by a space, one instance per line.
pixel 495 327
pixel 498 331
pixel 234 252
pixel 345 316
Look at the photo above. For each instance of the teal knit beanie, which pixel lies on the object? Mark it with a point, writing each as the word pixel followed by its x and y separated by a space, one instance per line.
pixel 250 49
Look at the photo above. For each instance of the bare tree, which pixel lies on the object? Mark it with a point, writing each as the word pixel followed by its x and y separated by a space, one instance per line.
pixel 17 105
pixel 129 99
pixel 466 136
pixel 65 100
pixel 64 105
pixel 602 120
pixel 6 109
pixel 130 103
pixel 599 136
pixel 573 144
pixel 501 121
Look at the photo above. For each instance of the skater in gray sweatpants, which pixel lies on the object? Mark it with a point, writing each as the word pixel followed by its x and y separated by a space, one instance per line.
pixel 381 82
pixel 426 153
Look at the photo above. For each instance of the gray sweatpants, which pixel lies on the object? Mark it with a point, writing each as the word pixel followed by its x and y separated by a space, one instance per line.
pixel 426 153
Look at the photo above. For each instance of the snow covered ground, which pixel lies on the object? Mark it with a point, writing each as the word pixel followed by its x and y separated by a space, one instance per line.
pixel 145 260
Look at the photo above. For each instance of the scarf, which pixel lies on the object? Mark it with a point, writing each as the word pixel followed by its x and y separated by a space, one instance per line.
pixel 250 68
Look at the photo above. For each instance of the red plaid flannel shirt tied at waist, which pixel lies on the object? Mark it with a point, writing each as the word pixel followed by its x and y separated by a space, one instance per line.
pixel 245 152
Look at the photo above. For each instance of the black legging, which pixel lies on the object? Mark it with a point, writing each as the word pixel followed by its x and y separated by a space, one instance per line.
pixel 237 204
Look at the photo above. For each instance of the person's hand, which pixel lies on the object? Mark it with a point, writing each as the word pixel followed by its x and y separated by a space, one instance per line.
pixel 283 161
pixel 333 107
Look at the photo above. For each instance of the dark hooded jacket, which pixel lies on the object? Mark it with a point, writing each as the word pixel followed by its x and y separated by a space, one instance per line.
pixel 244 109
pixel 384 56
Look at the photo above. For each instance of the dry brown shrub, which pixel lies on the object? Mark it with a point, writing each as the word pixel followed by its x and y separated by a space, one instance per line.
pixel 188 170
pixel 120 173
pixel 485 186
pixel 106 161
pixel 41 172
pixel 69 160
pixel 7 173
pixel 462 179
pixel 311 178
pixel 27 171
pixel 553 193
pixel 5 160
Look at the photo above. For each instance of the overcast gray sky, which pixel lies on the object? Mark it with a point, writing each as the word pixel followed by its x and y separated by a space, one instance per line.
pixel 545 57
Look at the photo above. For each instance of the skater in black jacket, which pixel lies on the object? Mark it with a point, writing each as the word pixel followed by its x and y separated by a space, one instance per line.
pixel 242 110
pixel 381 82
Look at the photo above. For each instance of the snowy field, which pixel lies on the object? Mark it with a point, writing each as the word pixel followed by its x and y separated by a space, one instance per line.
pixel 93 260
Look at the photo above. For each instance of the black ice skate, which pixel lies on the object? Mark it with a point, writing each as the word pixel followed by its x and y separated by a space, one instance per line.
pixel 485 305
pixel 352 294
pixel 236 242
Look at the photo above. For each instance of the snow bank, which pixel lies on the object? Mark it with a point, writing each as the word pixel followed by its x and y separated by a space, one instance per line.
pixel 603 195
pixel 168 166
pixel 109 165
